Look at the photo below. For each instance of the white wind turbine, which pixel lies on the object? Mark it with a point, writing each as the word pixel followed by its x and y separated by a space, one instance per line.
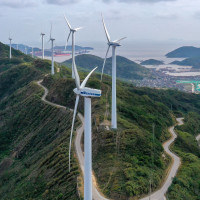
pixel 87 93
pixel 25 50
pixel 113 44
pixel 72 31
pixel 10 54
pixel 42 36
pixel 32 52
pixel 52 52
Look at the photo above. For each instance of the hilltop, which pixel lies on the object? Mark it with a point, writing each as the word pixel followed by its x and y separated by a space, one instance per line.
pixel 34 136
pixel 126 69
pixel 184 52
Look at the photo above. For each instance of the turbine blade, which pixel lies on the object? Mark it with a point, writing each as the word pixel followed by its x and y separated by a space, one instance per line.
pixel 67 40
pixel 76 29
pixel 104 62
pixel 72 129
pixel 120 39
pixel 50 30
pixel 77 78
pixel 67 22
pixel 106 31
pixel 86 79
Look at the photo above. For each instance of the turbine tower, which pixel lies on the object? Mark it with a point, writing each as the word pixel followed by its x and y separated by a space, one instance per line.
pixel 10 55
pixel 32 52
pixel 42 35
pixel 25 50
pixel 87 93
pixel 52 52
pixel 113 44
pixel 72 31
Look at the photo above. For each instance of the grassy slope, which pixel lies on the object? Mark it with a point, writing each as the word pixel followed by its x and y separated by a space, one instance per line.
pixel 34 138
pixel 186 185
pixel 122 159
pixel 126 69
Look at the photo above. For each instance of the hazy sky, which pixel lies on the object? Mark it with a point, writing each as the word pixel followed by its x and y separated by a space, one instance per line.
pixel 139 20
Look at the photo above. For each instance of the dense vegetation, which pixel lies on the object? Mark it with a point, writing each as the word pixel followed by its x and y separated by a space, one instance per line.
pixel 184 52
pixel 34 136
pixel 126 69
pixel 122 159
pixel 152 62
pixel 186 185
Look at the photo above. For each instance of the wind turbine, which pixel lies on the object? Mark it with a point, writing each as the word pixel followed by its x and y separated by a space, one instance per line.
pixel 10 55
pixel 42 35
pixel 113 44
pixel 32 52
pixel 25 50
pixel 72 31
pixel 52 52
pixel 87 93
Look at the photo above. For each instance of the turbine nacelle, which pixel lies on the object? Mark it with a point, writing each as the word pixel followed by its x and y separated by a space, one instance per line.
pixel 75 30
pixel 114 44
pixel 87 92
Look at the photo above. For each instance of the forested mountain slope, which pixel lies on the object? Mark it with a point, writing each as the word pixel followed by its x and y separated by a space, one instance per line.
pixel 34 136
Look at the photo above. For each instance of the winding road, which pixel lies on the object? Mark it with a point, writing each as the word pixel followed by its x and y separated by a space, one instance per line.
pixel 96 194
pixel 176 162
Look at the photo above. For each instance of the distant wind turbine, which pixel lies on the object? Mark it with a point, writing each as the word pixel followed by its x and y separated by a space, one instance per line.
pixel 72 31
pixel 87 93
pixel 42 35
pixel 113 44
pixel 10 55
pixel 52 52
pixel 32 52
pixel 25 50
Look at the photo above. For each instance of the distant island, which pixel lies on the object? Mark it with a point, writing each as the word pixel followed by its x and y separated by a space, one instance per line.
pixel 184 52
pixel 152 62
pixel 194 62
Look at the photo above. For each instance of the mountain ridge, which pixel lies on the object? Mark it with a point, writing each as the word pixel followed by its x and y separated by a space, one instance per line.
pixel 126 69
pixel 40 134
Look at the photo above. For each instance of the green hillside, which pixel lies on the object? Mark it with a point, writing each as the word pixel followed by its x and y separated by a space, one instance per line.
pixel 122 159
pixel 184 52
pixel 186 184
pixel 126 69
pixel 34 136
